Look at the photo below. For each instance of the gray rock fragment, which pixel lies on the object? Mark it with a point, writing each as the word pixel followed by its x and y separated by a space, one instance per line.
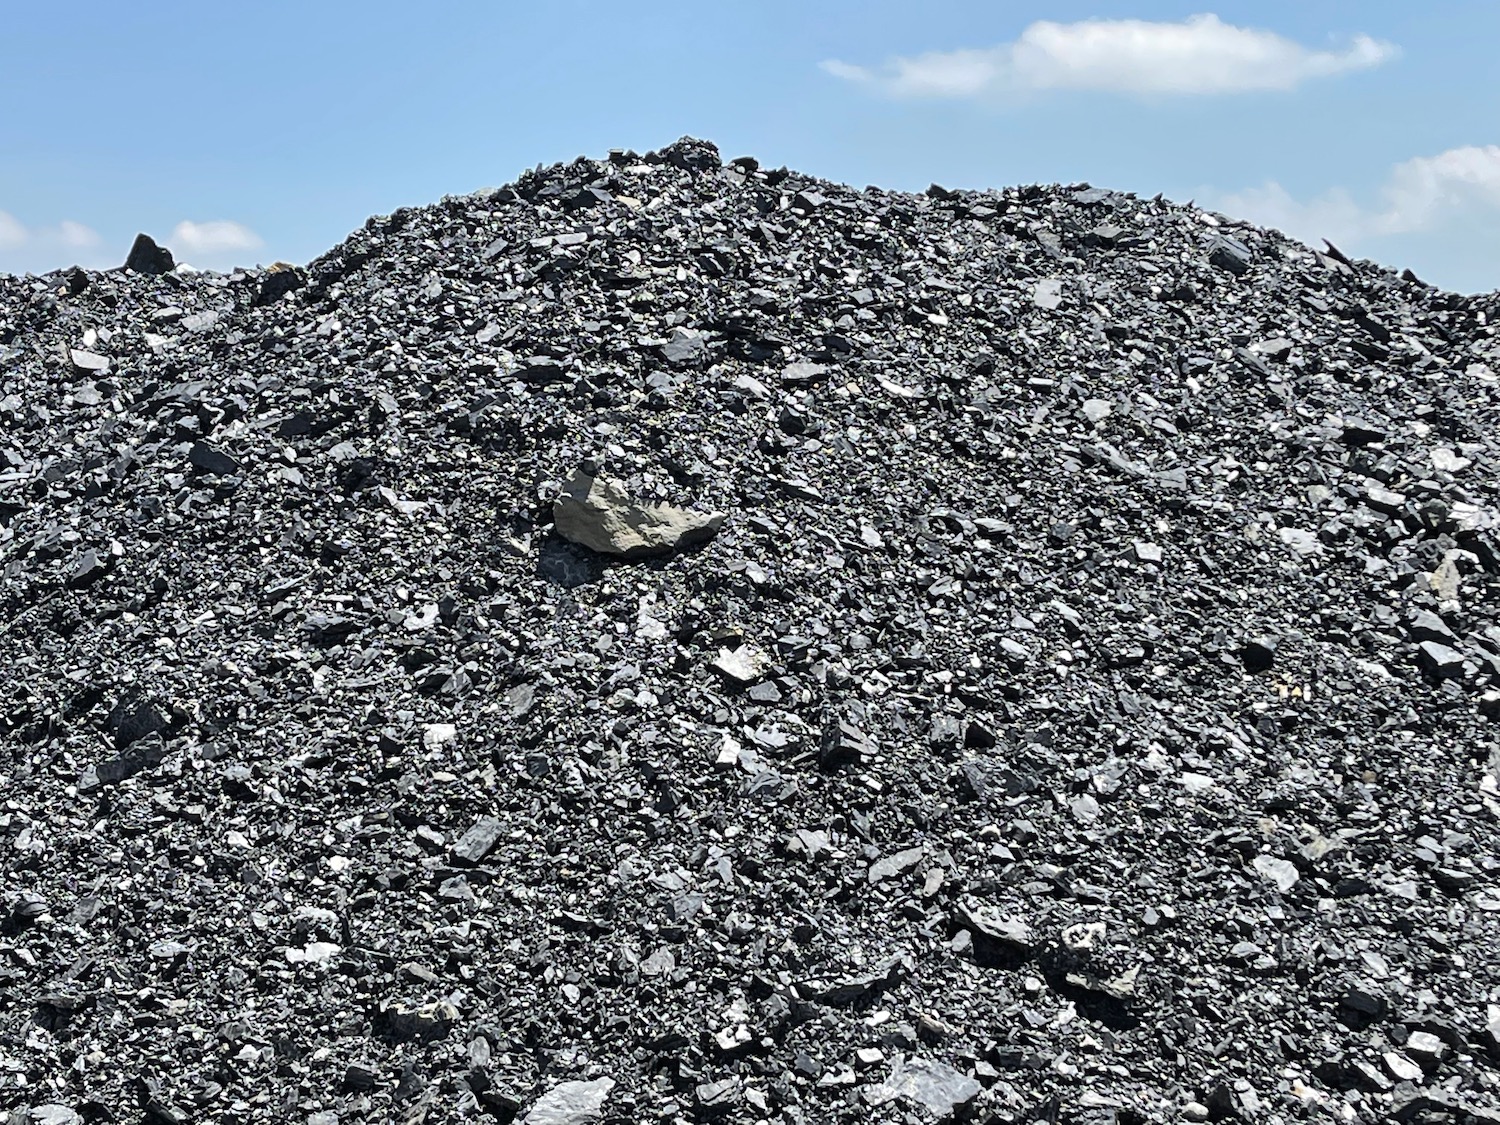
pixel 88 363
pixel 898 864
pixel 936 1087
pixel 596 513
pixel 1282 872
pixel 570 1103
pixel 478 841
pixel 993 923
pixel 1048 294
pixel 1440 660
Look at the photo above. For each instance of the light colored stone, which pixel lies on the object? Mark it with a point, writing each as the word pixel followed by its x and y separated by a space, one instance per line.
pixel 1446 580
pixel 596 513
pixel 314 953
pixel 934 1086
pixel 742 665
pixel 437 735
pixel 993 922
pixel 570 1103
pixel 1445 460
pixel 1402 1067
pixel 88 363
pixel 1048 293
pixel 1279 871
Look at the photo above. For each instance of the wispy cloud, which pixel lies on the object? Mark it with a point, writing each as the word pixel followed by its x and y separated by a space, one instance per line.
pixel 76 235
pixel 1418 195
pixel 212 239
pixel 12 231
pixel 1200 55
pixel 23 247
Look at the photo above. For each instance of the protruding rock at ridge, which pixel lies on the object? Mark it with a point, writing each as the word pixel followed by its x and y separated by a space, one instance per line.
pixel 147 257
pixel 597 513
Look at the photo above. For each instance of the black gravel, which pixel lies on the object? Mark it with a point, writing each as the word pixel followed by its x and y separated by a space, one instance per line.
pixel 1085 711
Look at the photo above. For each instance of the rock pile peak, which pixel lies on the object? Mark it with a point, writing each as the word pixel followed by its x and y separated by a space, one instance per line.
pixel 680 640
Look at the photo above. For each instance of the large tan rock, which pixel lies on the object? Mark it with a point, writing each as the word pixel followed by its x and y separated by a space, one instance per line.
pixel 596 512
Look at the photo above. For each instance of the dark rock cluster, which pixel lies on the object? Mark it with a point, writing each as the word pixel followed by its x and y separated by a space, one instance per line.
pixel 1056 681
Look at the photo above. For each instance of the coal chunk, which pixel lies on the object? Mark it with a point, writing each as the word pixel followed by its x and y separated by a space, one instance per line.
pixel 212 460
pixel 147 257
pixel 1259 653
pixel 135 717
pixel 1230 255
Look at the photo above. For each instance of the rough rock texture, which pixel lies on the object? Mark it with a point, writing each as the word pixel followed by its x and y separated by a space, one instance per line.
pixel 597 513
pixel 147 257
pixel 1090 696
pixel 570 1103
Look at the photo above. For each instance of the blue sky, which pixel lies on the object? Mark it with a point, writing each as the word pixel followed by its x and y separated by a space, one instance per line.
pixel 256 132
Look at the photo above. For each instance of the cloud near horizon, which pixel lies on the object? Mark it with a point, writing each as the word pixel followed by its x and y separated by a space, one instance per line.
pixel 12 231
pixel 219 243
pixel 212 239
pixel 1201 55
pixel 21 245
pixel 1418 195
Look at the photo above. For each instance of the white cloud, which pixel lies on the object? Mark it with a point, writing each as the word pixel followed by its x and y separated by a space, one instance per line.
pixel 1422 190
pixel 1200 55
pixel 1334 215
pixel 1418 195
pixel 49 247
pixel 76 235
pixel 12 233
pixel 212 239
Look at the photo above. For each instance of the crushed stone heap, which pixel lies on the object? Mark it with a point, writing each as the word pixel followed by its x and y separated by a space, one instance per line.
pixel 1058 683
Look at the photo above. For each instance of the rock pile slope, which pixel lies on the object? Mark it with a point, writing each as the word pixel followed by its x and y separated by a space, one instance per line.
pixel 1073 699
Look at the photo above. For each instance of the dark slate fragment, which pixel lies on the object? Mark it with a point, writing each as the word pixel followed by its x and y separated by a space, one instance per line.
pixel 855 989
pixel 1441 660
pixel 479 840
pixel 88 569
pixel 1361 432
pixel 134 717
pixel 212 460
pixel 148 258
pixel 842 744
pixel 1428 626
pixel 569 565
pixel 1259 653
pixel 280 279
pixel 1230 255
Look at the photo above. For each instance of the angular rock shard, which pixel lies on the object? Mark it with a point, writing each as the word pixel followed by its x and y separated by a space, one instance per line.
pixel 935 1086
pixel 570 1103
pixel 597 513
pixel 147 257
